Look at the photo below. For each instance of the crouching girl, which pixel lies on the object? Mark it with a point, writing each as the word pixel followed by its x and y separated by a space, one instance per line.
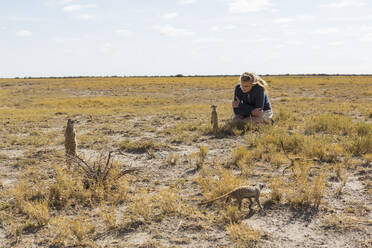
pixel 251 102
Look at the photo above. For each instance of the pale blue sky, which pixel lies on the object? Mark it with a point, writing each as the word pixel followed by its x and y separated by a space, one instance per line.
pixel 164 37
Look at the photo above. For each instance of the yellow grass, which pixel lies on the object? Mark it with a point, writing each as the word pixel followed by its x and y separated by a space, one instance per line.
pixel 162 124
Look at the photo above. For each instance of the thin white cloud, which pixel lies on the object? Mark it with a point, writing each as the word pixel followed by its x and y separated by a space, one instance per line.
pixel 26 19
pixel 171 15
pixel 123 32
pixel 365 34
pixel 108 49
pixel 280 45
pixel 362 33
pixel 336 43
pixel 262 39
pixel 304 17
pixel 171 31
pixel 227 27
pixel 366 37
pixel 66 39
pixel 84 17
pixel 207 40
pixel 24 33
pixel 283 20
pixel 325 31
pixel 188 1
pixel 244 6
pixel 77 7
pixel 343 4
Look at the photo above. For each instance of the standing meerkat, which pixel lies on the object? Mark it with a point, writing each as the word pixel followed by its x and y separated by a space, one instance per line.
pixel 70 138
pixel 240 193
pixel 214 119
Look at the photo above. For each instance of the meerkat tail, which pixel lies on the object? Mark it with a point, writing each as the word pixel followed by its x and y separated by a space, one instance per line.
pixel 220 197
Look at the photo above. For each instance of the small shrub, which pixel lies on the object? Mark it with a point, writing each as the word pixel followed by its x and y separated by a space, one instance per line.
pixel 217 183
pixel 231 215
pixel 141 206
pixel 322 149
pixel 318 190
pixel 243 235
pixel 81 228
pixel 358 145
pixel 140 146
pixel 199 157
pixel 38 211
pixel 282 139
pixel 109 217
pixel 60 231
pixel 340 222
pixel 169 201
pixel 276 189
pixel 172 159
pixel 329 123
pixel 306 191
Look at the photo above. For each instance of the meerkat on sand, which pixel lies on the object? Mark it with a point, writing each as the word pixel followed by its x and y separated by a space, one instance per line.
pixel 214 118
pixel 240 193
pixel 70 138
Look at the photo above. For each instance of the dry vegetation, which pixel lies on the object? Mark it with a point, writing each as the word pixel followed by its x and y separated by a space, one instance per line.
pixel 315 161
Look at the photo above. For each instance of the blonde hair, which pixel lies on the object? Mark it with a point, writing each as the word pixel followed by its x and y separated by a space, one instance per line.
pixel 254 79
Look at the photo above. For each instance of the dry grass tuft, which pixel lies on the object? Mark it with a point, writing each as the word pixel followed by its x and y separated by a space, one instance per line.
pixel 244 235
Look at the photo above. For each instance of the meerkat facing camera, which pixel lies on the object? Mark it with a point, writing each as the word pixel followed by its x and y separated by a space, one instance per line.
pixel 214 118
pixel 70 138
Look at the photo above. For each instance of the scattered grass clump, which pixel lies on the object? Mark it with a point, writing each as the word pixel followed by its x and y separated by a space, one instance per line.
pixel 281 139
pixel 322 148
pixel 169 202
pixel 242 158
pixel 230 215
pixel 38 211
pixel 243 235
pixel 199 157
pixel 139 146
pixel 67 190
pixel 81 228
pixel 108 215
pixel 141 207
pixel 340 222
pixel 359 145
pixel 329 123
pixel 216 182
pixel 306 191
pixel 276 185
pixel 172 159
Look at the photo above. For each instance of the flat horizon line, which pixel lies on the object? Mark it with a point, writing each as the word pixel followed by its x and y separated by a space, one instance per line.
pixel 202 75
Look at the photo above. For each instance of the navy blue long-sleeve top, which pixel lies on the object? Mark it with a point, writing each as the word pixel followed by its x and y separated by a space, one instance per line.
pixel 255 98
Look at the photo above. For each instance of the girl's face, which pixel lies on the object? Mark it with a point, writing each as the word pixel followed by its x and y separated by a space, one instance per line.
pixel 246 86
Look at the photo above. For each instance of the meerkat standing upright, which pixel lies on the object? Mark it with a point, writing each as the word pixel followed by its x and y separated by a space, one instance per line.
pixel 70 139
pixel 214 119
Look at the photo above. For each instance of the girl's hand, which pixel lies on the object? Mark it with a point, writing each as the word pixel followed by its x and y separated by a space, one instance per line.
pixel 257 112
pixel 235 103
